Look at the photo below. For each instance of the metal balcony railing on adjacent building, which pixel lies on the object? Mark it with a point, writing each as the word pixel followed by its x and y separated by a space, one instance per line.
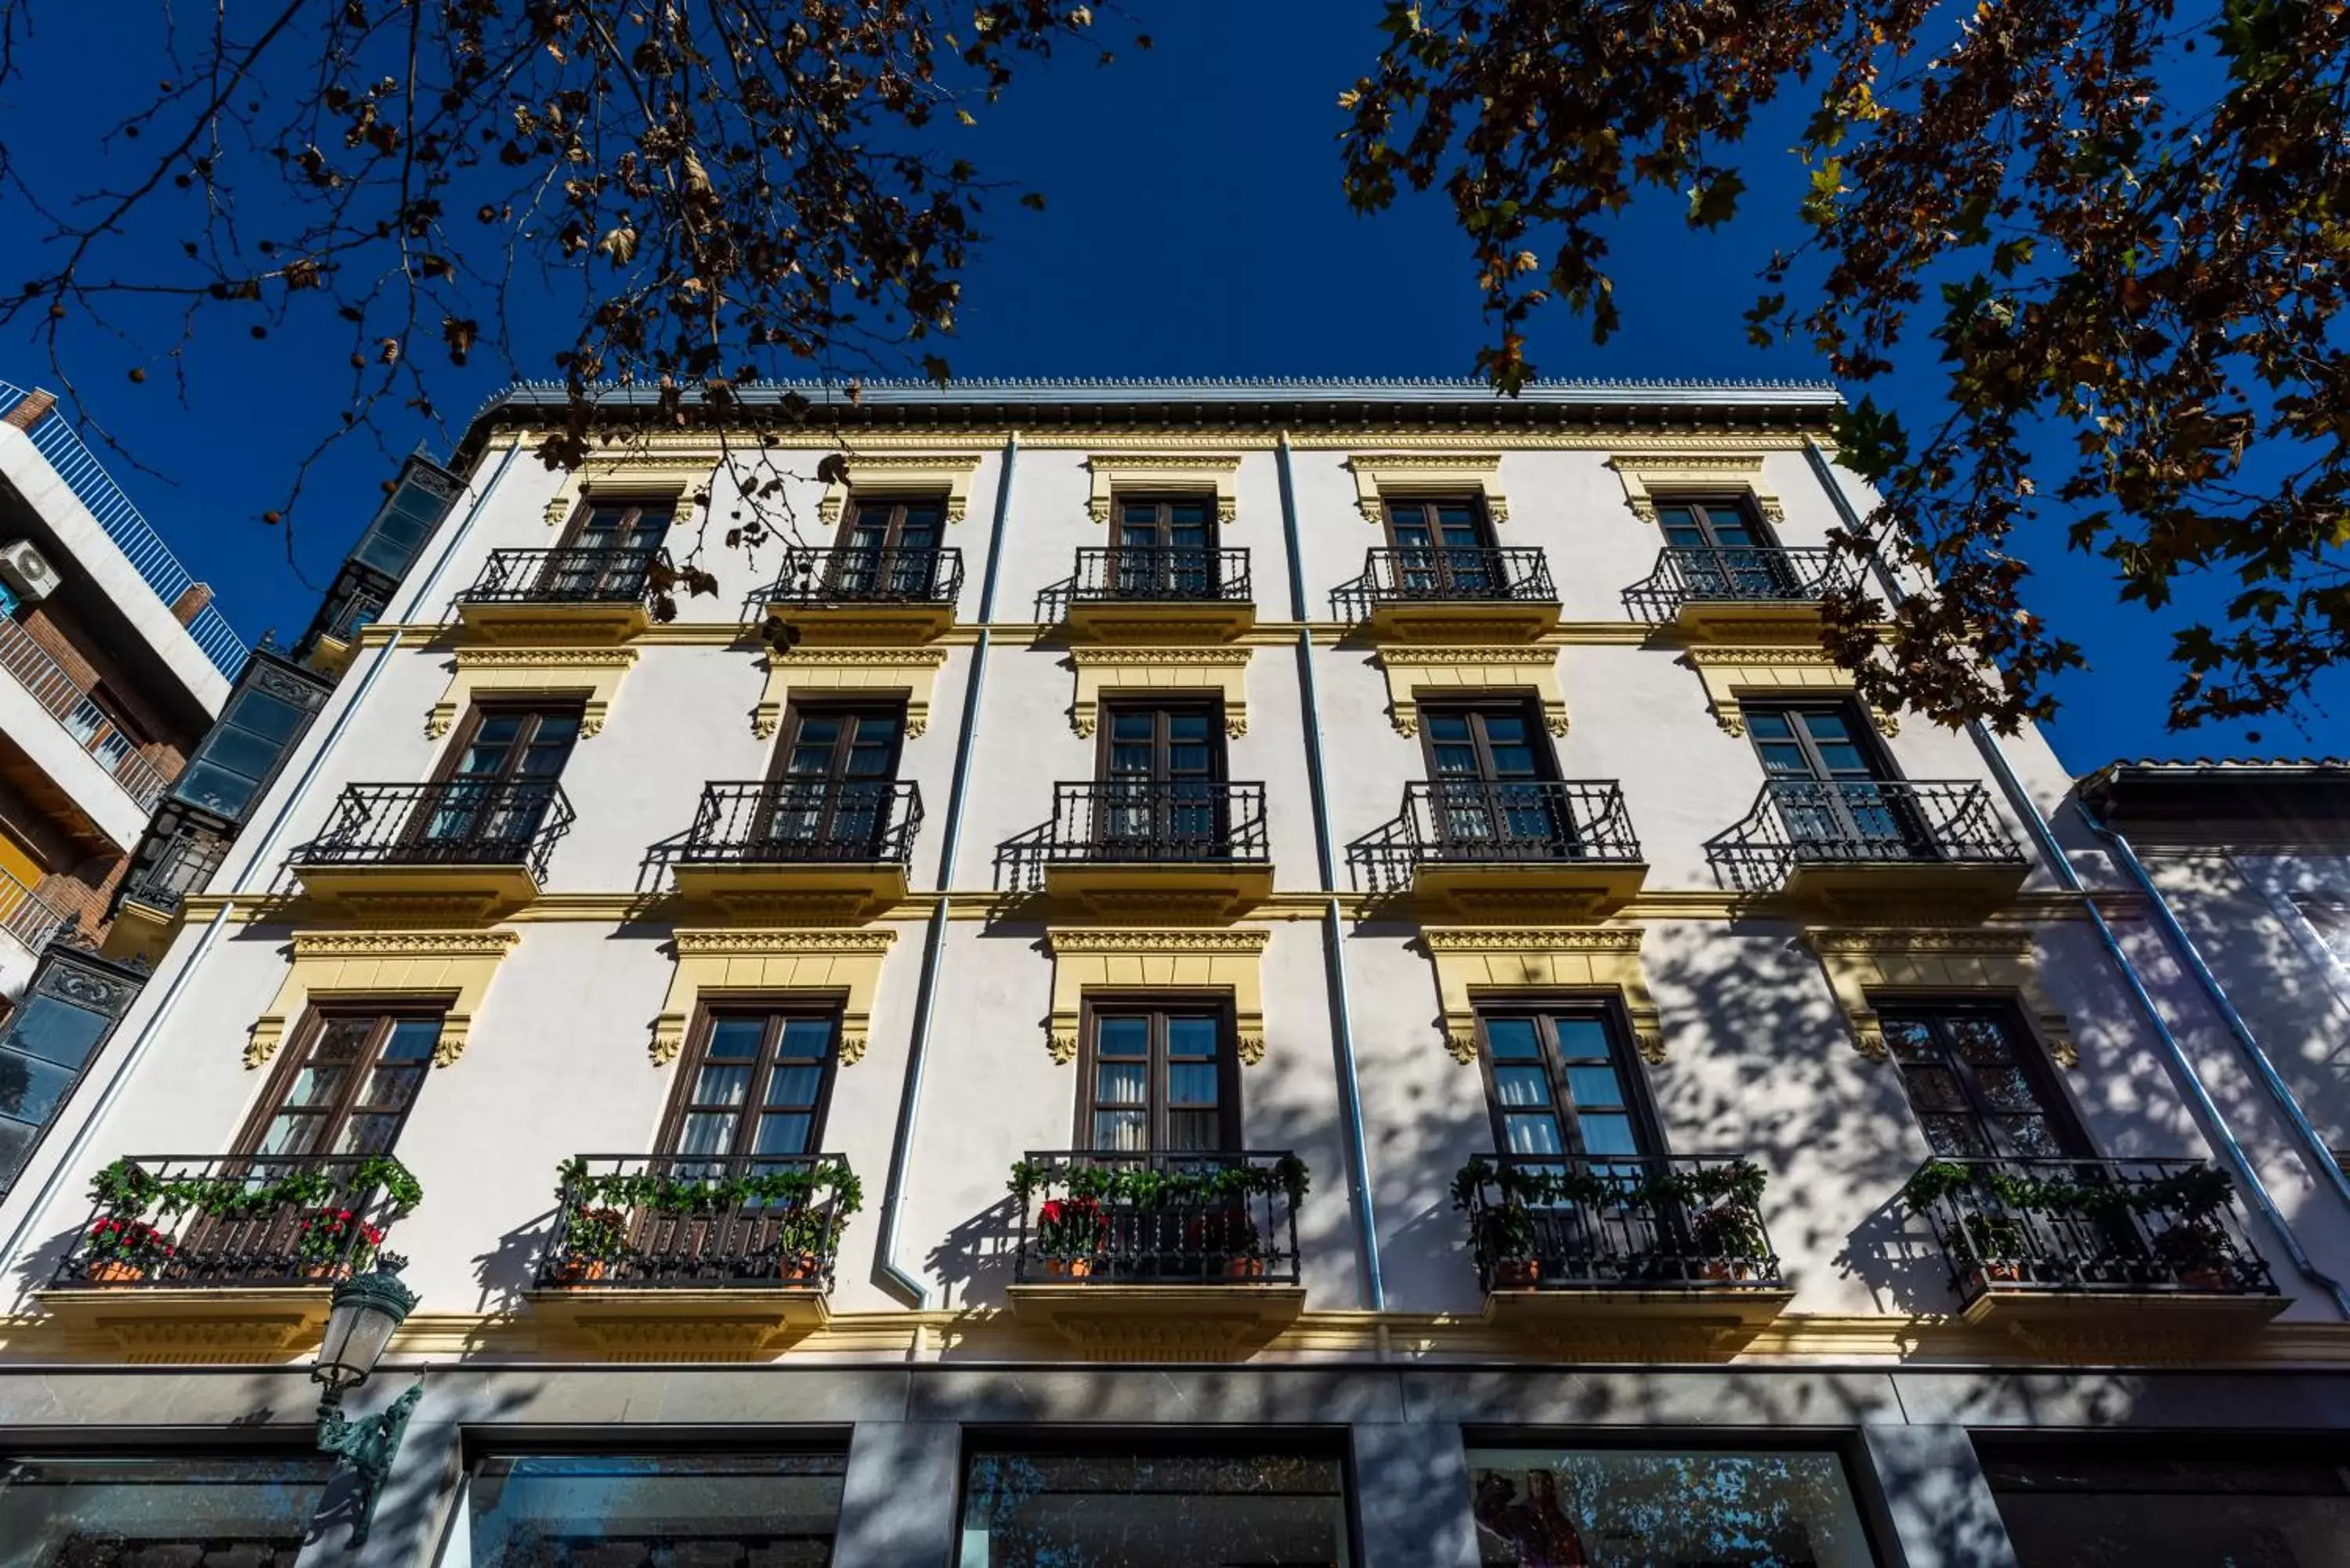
pixel 856 574
pixel 1154 822
pixel 1106 1216
pixel 1756 574
pixel 803 821
pixel 1160 573
pixel 1490 822
pixel 1847 823
pixel 2110 1227
pixel 699 1221
pixel 1622 1222
pixel 1456 573
pixel 79 715
pixel 448 822
pixel 566 575
pixel 27 917
pixel 224 1221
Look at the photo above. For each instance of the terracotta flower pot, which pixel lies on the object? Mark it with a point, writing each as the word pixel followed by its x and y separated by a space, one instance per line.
pixel 799 1266
pixel 580 1271
pixel 1516 1274
pixel 114 1271
pixel 2206 1278
pixel 1998 1274
pixel 1722 1269
pixel 1244 1268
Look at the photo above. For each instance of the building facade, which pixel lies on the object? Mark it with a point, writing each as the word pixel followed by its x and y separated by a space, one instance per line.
pixel 1169 973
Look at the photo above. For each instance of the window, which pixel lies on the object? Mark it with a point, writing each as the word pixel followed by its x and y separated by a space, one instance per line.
pixel 679 1510
pixel 150 1509
pixel 1833 783
pixel 1443 548
pixel 889 546
pixel 610 545
pixel 835 772
pixel 347 1084
pixel 2331 922
pixel 1165 548
pixel 1158 1508
pixel 1162 769
pixel 266 716
pixel 1725 551
pixel 1560 1082
pixel 2118 1503
pixel 1560 1508
pixel 69 1009
pixel 1160 1079
pixel 1977 1086
pixel 754 1082
pixel 499 776
pixel 1490 768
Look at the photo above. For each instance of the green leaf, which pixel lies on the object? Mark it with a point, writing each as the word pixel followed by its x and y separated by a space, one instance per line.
pixel 1716 202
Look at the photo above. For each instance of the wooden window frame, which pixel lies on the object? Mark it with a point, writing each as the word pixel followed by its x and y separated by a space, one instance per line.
pixel 1648 1127
pixel 1538 736
pixel 1481 519
pixel 1206 703
pixel 631 505
pixel 1231 1126
pixel 796 712
pixel 1885 770
pixel 1742 502
pixel 463 732
pixel 895 504
pixel 773 1010
pixel 2065 1118
pixel 386 1011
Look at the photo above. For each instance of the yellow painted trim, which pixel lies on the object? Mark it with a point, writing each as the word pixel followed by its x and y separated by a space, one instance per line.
pixel 591 674
pixel 1379 474
pixel 1121 672
pixel 431 636
pixel 1414 672
pixel 1868 965
pixel 1770 670
pixel 452 966
pixel 688 478
pixel 901 473
pixel 1133 958
pixel 1163 471
pixel 1647 471
pixel 767 961
pixel 1478 961
pixel 835 672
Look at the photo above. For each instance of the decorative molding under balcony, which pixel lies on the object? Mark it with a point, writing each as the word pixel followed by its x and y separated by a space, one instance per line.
pixel 910 672
pixel 1414 672
pixel 543 623
pixel 590 674
pixel 2109 1327
pixel 1866 966
pixel 1163 471
pixel 672 1324
pixel 1787 669
pixel 946 474
pixel 1478 961
pixel 1380 474
pixel 1147 671
pixel 195 1325
pixel 1113 958
pixel 454 967
pixel 1716 470
pixel 845 964
pixel 1144 1322
pixel 1698 1324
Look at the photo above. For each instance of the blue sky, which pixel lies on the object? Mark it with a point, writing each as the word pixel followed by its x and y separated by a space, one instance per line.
pixel 1194 226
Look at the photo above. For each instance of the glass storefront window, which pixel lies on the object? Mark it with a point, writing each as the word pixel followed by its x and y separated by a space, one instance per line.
pixel 1643 1508
pixel 1027 1508
pixel 655 1510
pixel 120 1511
pixel 2075 1507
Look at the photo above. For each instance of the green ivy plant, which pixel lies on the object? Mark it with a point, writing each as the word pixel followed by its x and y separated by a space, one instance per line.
pixel 127 1190
pixel 1147 1188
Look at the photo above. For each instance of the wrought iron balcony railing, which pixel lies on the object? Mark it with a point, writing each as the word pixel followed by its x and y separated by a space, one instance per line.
pixel 856 574
pixel 568 575
pixel 1157 821
pixel 1690 574
pixel 1860 821
pixel 1580 1222
pixel 1107 1217
pixel 699 1221
pixel 1457 572
pixel 1161 573
pixel 804 821
pixel 2126 1227
pixel 181 1221
pixel 1479 821
pixel 449 822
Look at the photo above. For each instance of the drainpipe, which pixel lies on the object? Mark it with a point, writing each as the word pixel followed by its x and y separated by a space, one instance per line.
pixel 887 1271
pixel 152 1027
pixel 1333 946
pixel 2027 811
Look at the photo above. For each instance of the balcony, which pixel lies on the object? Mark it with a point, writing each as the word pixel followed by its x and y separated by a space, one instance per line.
pixel 1715 594
pixel 800 851
pixel 566 595
pixel 859 594
pixel 2088 1254
pixel 1528 850
pixel 462 850
pixel 1141 1256
pixel 85 723
pixel 1453 594
pixel 1860 848
pixel 1159 594
pixel 224 1257
pixel 1146 848
pixel 1626 1257
pixel 694 1257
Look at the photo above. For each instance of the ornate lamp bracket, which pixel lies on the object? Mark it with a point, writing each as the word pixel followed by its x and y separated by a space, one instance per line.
pixel 366 1446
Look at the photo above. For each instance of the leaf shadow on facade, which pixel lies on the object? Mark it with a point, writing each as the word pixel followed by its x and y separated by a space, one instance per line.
pixel 974 1261
pixel 508 1272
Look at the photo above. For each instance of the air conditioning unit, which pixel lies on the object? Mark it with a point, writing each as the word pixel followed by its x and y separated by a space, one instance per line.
pixel 27 571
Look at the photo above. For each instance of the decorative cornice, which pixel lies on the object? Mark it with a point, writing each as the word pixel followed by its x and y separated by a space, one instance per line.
pixel 1864 964
pixel 1379 474
pixel 1162 957
pixel 1064 941
pixel 1412 669
pixel 1470 961
pixel 1104 672
pixel 913 670
pixel 708 943
pixel 1643 471
pixel 1515 940
pixel 1115 470
pixel 1770 669
pixel 843 962
pixel 898 472
pixel 592 673
pixel 455 966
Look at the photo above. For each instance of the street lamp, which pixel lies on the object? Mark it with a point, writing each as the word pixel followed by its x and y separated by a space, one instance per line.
pixel 367 1309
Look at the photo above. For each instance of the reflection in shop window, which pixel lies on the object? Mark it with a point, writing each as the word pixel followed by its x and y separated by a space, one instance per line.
pixel 655 1510
pixel 2122 1506
pixel 160 1512
pixel 1623 1507
pixel 1162 1509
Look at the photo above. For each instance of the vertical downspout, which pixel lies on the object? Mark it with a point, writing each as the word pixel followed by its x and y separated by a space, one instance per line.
pixel 2027 811
pixel 1334 947
pixel 887 1271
